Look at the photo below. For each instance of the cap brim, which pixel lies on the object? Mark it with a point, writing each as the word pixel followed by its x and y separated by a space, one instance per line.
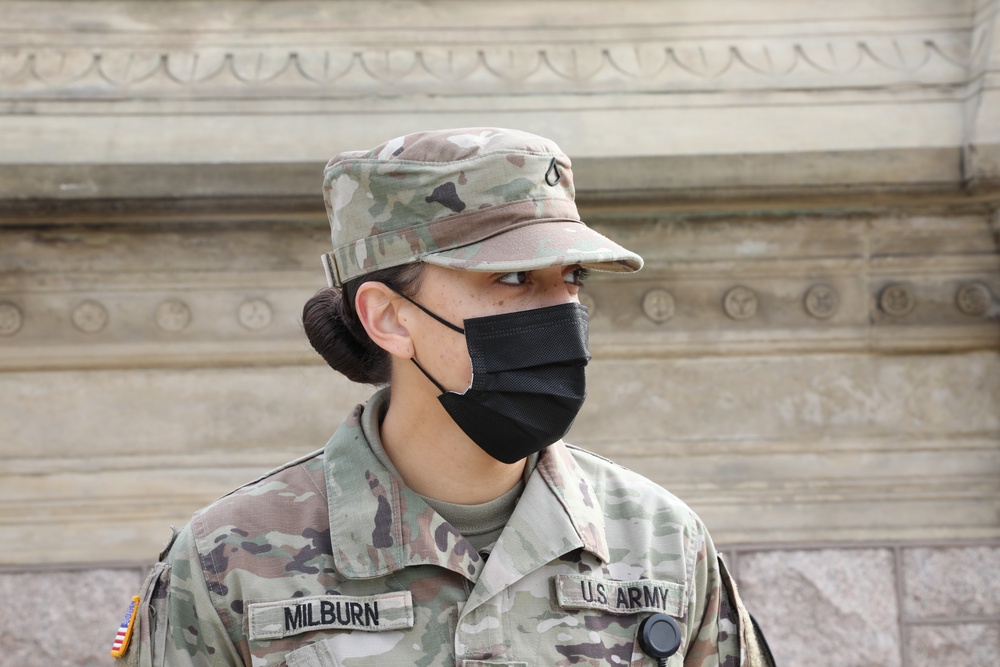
pixel 539 245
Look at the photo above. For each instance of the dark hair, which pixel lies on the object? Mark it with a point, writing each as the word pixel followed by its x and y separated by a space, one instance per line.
pixel 334 330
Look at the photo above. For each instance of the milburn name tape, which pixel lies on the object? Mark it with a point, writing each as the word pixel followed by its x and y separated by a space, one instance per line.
pixel 124 634
pixel 371 613
pixel 619 597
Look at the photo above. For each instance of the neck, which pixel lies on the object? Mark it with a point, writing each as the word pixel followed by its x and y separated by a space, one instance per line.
pixel 433 455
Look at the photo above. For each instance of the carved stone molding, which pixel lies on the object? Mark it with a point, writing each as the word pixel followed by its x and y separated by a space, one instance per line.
pixel 90 317
pixel 897 300
pixel 233 294
pixel 138 50
pixel 116 101
pixel 658 305
pixel 173 315
pixel 740 303
pixel 255 314
pixel 974 299
pixel 499 69
pixel 821 301
pixel 10 319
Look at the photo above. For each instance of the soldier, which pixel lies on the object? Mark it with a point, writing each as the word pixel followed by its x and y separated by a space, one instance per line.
pixel 446 522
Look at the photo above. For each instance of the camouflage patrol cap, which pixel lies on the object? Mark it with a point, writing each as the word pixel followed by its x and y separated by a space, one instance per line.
pixel 477 199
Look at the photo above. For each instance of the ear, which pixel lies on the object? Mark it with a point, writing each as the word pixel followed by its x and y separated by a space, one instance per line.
pixel 378 308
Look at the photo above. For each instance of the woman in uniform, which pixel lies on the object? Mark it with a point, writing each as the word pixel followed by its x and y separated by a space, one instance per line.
pixel 446 522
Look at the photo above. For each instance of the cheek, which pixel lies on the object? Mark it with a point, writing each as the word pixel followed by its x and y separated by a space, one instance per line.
pixel 446 357
pixel 455 359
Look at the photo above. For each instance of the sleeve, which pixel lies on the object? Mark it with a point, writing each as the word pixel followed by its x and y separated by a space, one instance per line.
pixel 178 625
pixel 721 633
pixel 756 652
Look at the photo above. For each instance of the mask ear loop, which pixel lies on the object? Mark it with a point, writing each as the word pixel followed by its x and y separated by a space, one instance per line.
pixel 428 376
pixel 442 321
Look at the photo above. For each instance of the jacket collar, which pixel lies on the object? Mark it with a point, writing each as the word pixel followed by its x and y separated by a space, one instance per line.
pixel 579 498
pixel 558 513
pixel 378 525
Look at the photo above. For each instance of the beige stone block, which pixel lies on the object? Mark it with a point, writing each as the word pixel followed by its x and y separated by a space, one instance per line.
pixel 746 519
pixel 204 139
pixel 966 644
pixel 142 413
pixel 63 619
pixel 825 608
pixel 810 448
pixel 951 582
pixel 819 397
pixel 983 108
pixel 680 402
pixel 170 253
pixel 97 465
pixel 898 242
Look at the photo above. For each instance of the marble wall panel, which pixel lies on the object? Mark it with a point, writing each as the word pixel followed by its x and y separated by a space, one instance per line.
pixel 829 607
pixel 966 644
pixel 63 619
pixel 957 582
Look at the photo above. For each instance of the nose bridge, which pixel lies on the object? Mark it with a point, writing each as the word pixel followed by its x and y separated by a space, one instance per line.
pixel 554 290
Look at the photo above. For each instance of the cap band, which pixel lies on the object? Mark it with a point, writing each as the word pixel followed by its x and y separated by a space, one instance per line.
pixel 355 259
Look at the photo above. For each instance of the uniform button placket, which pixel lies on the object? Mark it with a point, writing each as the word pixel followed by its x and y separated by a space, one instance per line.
pixel 469 635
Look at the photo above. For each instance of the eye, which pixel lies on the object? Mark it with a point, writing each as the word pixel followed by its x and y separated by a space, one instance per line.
pixel 577 276
pixel 514 278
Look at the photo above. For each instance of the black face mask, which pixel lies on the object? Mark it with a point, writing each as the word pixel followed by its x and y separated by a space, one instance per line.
pixel 528 379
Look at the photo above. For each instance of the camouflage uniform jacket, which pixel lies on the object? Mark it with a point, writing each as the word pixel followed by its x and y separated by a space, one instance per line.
pixel 331 560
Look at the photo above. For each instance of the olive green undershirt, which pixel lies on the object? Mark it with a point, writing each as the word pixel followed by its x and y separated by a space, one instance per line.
pixel 481 524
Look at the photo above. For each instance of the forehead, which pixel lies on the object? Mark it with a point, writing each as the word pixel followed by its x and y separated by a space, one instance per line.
pixel 458 281
pixel 443 279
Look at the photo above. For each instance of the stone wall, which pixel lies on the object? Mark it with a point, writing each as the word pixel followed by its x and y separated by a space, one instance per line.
pixel 824 442
pixel 810 358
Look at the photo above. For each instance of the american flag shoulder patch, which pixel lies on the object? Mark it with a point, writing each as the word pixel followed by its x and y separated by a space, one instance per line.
pixel 125 629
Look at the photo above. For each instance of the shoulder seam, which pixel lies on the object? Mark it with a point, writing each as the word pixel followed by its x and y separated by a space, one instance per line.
pixel 576 449
pixel 231 633
pixel 270 473
pixel 581 450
